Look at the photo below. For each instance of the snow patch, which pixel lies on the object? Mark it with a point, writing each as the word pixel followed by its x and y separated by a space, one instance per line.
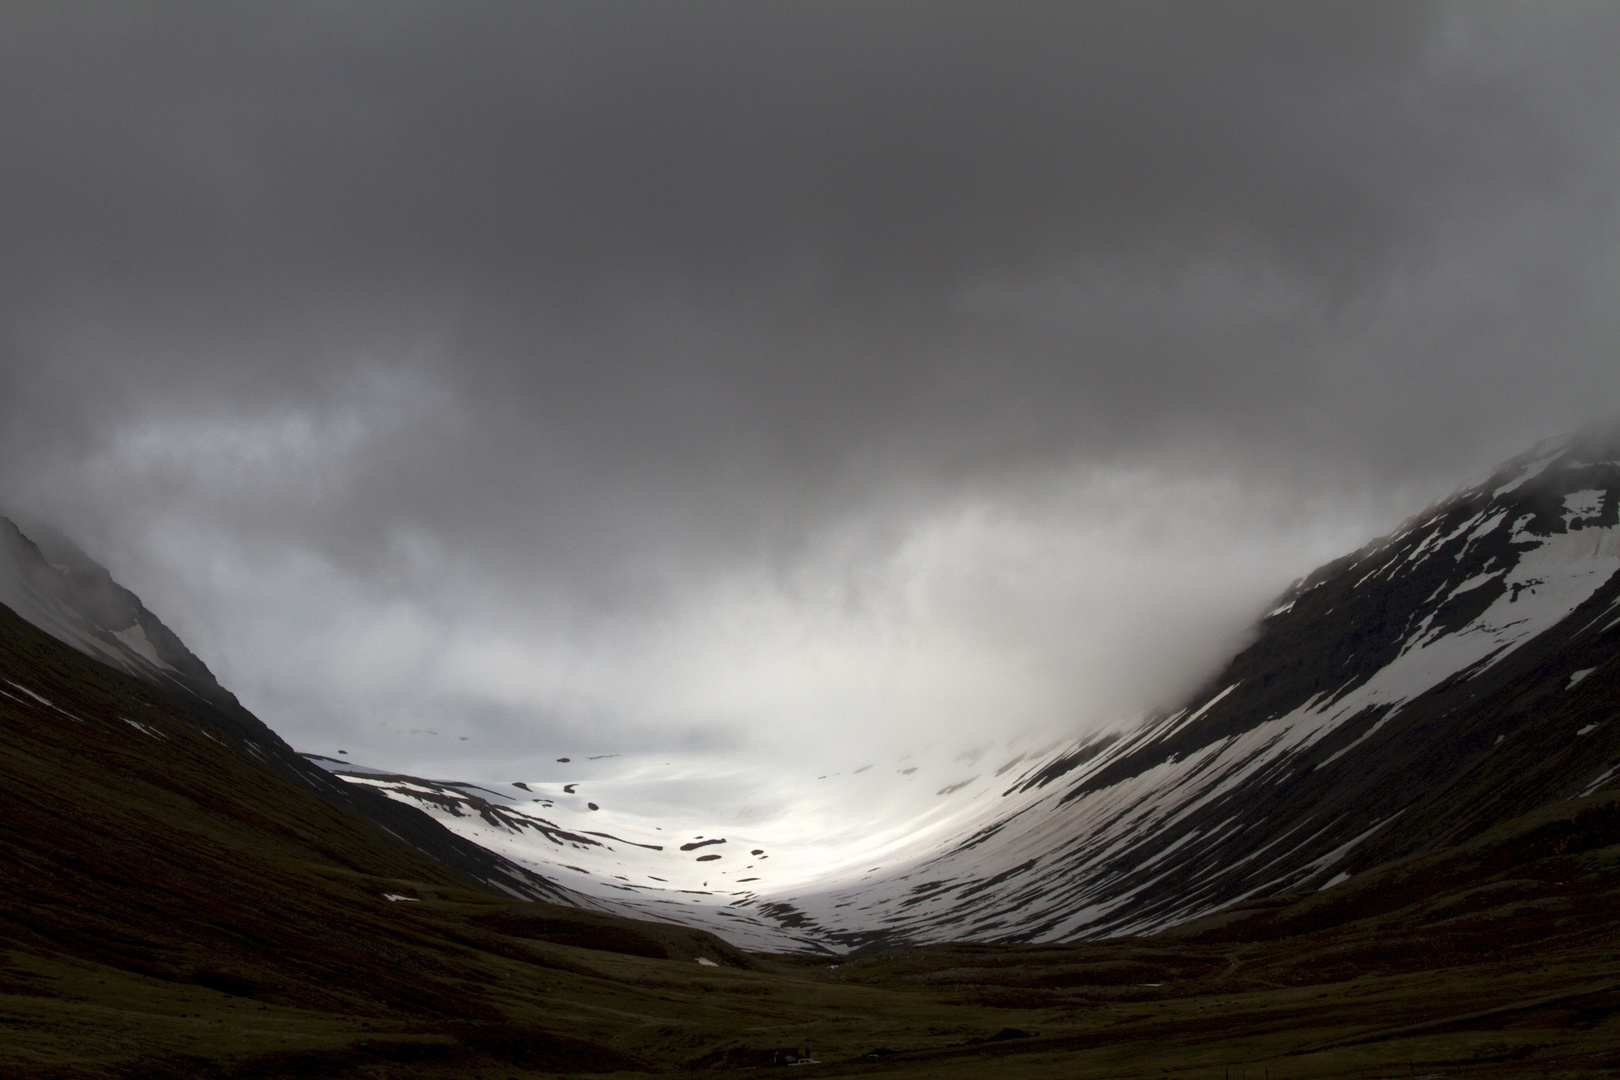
pixel 1475 582
pixel 1602 779
pixel 31 694
pixel 1583 504
pixel 135 640
pixel 143 729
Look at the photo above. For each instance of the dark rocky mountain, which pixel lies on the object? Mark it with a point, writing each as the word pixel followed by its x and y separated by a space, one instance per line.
pixel 175 900
pixel 1455 675
pixel 62 591
pixel 1408 697
pixel 171 907
pixel 48 580
pixel 1385 841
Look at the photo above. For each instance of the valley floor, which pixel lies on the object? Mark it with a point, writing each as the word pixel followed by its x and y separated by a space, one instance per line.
pixel 1517 976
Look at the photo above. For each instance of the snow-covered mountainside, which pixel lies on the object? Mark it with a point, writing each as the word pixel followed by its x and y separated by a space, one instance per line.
pixel 1411 694
pixel 1419 690
pixel 1455 674
pixel 670 839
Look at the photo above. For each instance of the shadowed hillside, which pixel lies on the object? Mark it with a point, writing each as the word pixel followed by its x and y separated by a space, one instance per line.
pixel 174 908
pixel 184 896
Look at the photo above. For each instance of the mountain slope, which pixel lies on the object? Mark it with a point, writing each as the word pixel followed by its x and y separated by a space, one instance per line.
pixel 50 582
pixel 1443 680
pixel 154 867
pixel 171 907
pixel 1450 677
pixel 620 832
pixel 176 902
pixel 60 590
pixel 1456 674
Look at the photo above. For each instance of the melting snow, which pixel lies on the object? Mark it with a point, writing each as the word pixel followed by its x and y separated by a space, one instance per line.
pixel 623 854
pixel 1583 504
pixel 142 728
pixel 1475 582
pixel 31 694
pixel 1602 778
pixel 135 640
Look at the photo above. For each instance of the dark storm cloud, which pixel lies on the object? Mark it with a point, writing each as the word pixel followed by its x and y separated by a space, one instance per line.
pixel 887 140
pixel 588 196
pixel 598 297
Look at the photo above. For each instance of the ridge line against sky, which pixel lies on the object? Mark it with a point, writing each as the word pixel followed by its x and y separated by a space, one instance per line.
pixel 776 380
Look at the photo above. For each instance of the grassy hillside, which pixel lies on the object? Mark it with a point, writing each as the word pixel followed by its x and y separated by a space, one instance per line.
pixel 171 907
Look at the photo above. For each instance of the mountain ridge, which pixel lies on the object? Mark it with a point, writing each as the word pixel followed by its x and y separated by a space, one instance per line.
pixel 1320 866
pixel 1371 693
pixel 1336 691
pixel 1351 730
pixel 60 590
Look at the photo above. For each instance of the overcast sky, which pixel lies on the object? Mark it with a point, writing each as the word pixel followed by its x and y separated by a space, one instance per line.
pixel 784 379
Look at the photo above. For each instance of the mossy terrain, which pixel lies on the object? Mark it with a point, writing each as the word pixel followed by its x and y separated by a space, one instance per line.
pixel 171 906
